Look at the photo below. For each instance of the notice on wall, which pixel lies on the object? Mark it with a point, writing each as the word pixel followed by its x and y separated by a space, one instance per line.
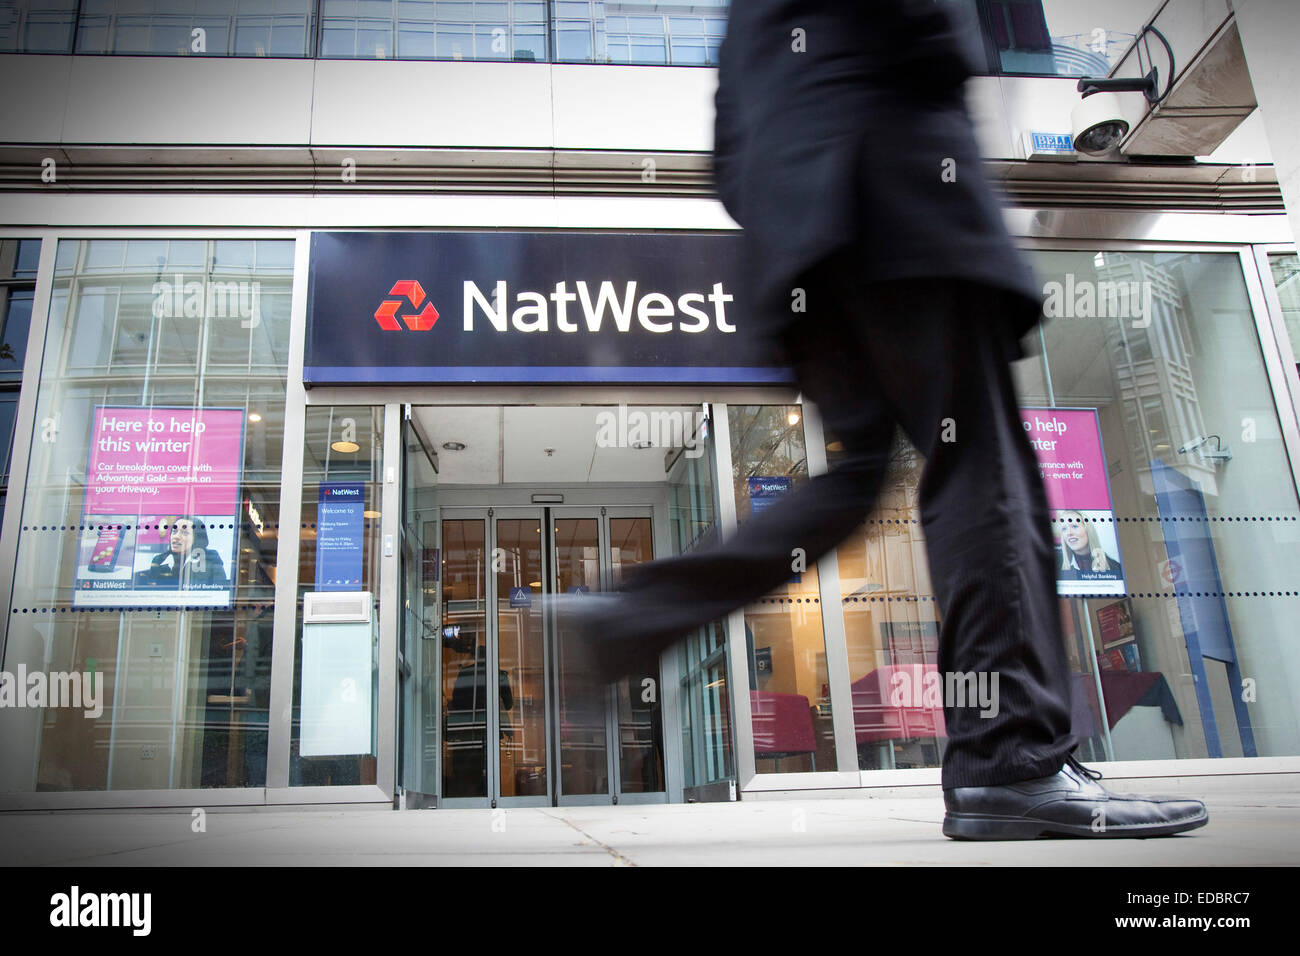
pixel 340 536
pixel 1073 464
pixel 160 513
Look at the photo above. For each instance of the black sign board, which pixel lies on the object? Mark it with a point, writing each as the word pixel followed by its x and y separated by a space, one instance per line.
pixel 441 307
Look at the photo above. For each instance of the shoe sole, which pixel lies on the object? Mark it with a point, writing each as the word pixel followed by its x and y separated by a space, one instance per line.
pixel 978 826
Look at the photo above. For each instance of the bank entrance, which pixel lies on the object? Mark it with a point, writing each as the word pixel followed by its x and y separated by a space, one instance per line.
pixel 505 507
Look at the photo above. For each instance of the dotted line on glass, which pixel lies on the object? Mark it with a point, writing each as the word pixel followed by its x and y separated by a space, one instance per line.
pixel 127 527
pixel 156 527
pixel 848 600
pixel 1132 594
pixel 1137 519
pixel 159 607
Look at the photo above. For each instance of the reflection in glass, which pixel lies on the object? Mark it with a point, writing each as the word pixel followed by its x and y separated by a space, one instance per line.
pixel 640 721
pixel 325 462
pixel 464 659
pixel 790 690
pixel 1060 37
pixel 521 658
pixel 185 690
pixel 584 758
pixel 231 28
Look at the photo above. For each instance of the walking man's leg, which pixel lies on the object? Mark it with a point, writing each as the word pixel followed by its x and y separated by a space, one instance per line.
pixel 987 529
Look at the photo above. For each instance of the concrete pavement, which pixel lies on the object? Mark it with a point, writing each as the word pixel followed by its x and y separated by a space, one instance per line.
pixel 1250 825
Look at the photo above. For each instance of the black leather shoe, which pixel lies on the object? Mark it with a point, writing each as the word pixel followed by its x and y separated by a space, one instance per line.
pixel 1069 803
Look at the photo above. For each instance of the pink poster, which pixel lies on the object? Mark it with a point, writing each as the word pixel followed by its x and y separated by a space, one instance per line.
pixel 161 506
pixel 1068 444
pixel 154 460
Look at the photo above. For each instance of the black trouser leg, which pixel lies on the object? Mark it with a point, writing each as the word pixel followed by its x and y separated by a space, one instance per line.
pixel 933 356
pixel 987 527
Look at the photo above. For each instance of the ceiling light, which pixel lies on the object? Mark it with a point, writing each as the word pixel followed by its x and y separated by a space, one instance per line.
pixel 453 445
pixel 371 514
pixel 254 417
pixel 793 418
pixel 346 447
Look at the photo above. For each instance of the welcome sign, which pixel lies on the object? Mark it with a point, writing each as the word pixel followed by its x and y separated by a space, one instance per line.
pixel 521 307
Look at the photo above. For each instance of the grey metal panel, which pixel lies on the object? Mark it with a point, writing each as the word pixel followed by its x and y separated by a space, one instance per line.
pixel 821 780
pixel 390 573
pixel 642 799
pixel 1273 346
pixel 280 710
pixel 838 674
pixel 179 100
pixel 430 103
pixel 986 101
pixel 1123 228
pixel 1280 332
pixel 363 793
pixel 37 94
pixel 604 106
pixel 139 799
pixel 718 792
pixel 742 724
pixel 25 429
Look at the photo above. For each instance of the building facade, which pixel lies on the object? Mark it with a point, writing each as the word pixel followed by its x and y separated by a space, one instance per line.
pixel 339 334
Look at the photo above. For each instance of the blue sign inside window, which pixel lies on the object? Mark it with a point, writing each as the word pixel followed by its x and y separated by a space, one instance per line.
pixel 340 536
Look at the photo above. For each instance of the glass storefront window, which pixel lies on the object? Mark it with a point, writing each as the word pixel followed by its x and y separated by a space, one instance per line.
pixel 891 621
pixel 786 647
pixel 147 549
pixel 342 455
pixel 1286 278
pixel 1191 656
pixel 445 31
pixel 254 28
pixel 18 260
pixel 707 753
pixel 37 26
pixel 1177 649
pixel 1059 37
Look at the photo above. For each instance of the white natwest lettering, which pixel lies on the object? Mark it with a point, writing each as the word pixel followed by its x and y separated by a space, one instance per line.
pixel 654 311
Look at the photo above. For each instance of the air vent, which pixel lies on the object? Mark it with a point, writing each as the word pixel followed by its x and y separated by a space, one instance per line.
pixel 335 607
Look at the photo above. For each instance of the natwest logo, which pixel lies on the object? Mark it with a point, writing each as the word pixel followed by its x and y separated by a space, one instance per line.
pixel 652 311
pixel 386 315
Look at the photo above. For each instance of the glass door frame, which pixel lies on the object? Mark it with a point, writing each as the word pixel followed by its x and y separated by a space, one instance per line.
pixel 603 514
pixel 493 515
pixel 465 499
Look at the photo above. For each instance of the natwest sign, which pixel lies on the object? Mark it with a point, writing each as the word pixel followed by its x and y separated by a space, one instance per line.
pixel 533 307
pixel 653 311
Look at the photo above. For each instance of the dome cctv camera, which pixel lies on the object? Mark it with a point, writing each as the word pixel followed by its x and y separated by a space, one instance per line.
pixel 1097 124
